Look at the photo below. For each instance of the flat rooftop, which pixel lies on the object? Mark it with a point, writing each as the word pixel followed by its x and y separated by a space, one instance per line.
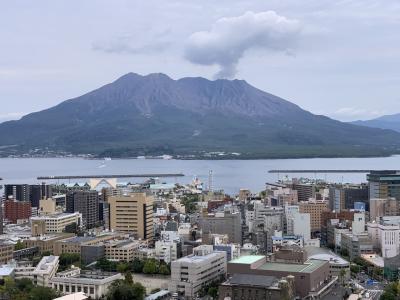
pixel 308 267
pixel 247 259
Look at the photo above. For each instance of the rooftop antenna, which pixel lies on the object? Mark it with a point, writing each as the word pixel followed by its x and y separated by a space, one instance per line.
pixel 210 181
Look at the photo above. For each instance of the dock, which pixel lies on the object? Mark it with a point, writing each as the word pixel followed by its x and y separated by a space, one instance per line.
pixel 160 175
pixel 328 171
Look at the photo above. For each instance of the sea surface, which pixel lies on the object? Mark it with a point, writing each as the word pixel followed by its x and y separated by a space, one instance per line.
pixel 229 175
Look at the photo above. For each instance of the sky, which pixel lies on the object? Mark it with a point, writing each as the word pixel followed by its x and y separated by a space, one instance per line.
pixel 336 58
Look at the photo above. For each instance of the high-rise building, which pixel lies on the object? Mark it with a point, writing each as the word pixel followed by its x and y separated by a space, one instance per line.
pixel 344 196
pixel 87 203
pixel 384 184
pixel 305 191
pixel 132 213
pixel 25 192
pixel 315 209
pixel 17 210
pixel 19 192
pixel 226 222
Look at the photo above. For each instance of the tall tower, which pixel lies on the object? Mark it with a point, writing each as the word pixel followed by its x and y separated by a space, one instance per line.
pixel 210 181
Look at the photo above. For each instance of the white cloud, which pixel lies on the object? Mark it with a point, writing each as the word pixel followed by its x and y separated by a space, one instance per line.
pixel 355 113
pixel 131 44
pixel 229 38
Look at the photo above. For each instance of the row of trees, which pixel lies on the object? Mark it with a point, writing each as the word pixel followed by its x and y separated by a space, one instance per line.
pixel 24 289
pixel 148 266
pixel 126 290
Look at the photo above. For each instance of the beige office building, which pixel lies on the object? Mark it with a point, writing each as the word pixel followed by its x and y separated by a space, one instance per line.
pixel 315 209
pixel 55 223
pixel 132 213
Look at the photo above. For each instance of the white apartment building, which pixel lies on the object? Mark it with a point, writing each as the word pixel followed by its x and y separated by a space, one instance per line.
pixel 92 284
pixel 386 237
pixel 302 225
pixel 189 274
pixel 358 224
pixel 166 251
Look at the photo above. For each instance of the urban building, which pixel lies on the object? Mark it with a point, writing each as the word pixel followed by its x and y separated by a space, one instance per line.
pixel 189 274
pixel 315 208
pixel 356 244
pixel 17 210
pixel 56 223
pixel 132 213
pixel 305 191
pixel 6 252
pixel 311 278
pixel 385 236
pixel 384 184
pixel 226 222
pixel 121 250
pixel 87 203
pixel 42 273
pixel 343 197
pixel 19 192
pixel 257 287
pixel 45 243
pixel 92 283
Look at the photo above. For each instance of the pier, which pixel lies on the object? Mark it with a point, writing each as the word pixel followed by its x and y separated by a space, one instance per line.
pixel 328 171
pixel 110 176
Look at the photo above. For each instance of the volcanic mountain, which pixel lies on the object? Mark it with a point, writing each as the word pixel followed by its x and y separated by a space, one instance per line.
pixel 154 114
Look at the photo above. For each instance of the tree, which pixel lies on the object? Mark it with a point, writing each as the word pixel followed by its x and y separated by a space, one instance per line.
pixel 137 266
pixel 43 293
pixel 122 267
pixel 212 292
pixel 120 290
pixel 150 267
pixel 164 270
pixel 128 278
pixel 19 246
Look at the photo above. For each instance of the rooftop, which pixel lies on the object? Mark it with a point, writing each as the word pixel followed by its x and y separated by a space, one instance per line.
pixel 308 267
pixel 247 259
pixel 252 280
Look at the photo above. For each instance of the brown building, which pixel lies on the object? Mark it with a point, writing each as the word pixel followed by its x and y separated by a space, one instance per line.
pixel 315 208
pixel 6 252
pixel 256 287
pixel 17 210
pixel 311 278
pixel 132 213
pixel 46 243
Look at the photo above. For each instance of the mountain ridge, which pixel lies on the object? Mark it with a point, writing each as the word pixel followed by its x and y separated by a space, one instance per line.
pixel 391 122
pixel 192 116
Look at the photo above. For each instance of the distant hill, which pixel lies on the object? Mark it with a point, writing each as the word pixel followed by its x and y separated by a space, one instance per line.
pixel 154 115
pixel 385 122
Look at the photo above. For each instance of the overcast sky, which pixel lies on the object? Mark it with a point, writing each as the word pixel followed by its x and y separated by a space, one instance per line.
pixel 338 58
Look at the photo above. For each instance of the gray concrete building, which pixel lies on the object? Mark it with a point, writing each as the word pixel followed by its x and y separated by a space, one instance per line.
pixel 189 274
pixel 227 222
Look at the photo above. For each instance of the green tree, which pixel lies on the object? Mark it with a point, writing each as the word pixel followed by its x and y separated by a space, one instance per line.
pixel 43 293
pixel 122 267
pixel 19 246
pixel 150 267
pixel 128 278
pixel 120 290
pixel 212 292
pixel 164 270
pixel 137 266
